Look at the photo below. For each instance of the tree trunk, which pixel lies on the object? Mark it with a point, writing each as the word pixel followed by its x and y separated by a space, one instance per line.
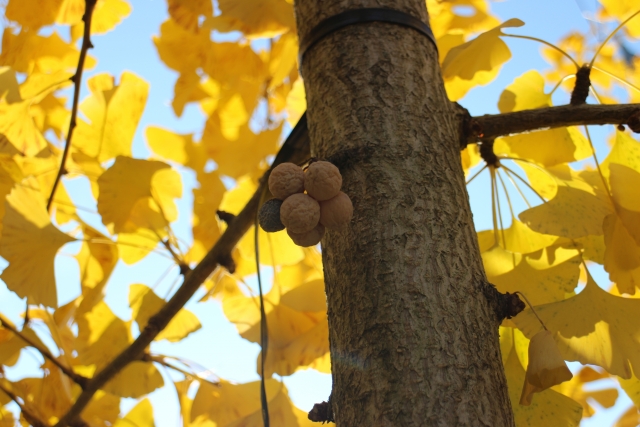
pixel 414 340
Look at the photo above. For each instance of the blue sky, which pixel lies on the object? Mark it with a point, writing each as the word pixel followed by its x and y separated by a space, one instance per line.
pixel 217 346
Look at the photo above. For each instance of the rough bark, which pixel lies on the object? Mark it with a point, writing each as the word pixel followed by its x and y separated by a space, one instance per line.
pixel 414 340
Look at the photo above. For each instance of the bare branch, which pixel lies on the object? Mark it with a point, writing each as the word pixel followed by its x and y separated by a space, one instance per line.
pixel 495 125
pixel 77 378
pixel 77 80
pixel 295 149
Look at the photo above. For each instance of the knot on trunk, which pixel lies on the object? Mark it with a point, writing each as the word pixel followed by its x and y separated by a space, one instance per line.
pixel 506 305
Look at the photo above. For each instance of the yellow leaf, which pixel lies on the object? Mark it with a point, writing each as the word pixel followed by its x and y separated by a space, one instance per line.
pixel 114 112
pixel 187 12
pixel 624 186
pixel 579 390
pixel 97 259
pixel 129 185
pixel 135 380
pixel 309 296
pixel 30 242
pixel 631 418
pixel 520 238
pixel 180 49
pixel 498 261
pixel 525 93
pixel 188 88
pixel 178 148
pixel 27 52
pixel 550 408
pixel 296 102
pixel 106 16
pixel 283 57
pixel 472 17
pixel 546 367
pixel 9 89
pixel 11 344
pixel 571 213
pixel 631 386
pixel 140 416
pixel 206 200
pixel 10 174
pixel 625 152
pixel 621 10
pixel 239 405
pixel 621 256
pixel 101 336
pixel 22 12
pixel 456 86
pixel 256 18
pixel 594 327
pixel 470 157
pixel 6 418
pixel 296 338
pixel 546 147
pixel 134 246
pixel 145 303
pixel 484 53
pixel 539 280
pixel 18 132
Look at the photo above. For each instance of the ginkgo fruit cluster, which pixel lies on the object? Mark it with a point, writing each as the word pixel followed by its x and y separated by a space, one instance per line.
pixel 306 202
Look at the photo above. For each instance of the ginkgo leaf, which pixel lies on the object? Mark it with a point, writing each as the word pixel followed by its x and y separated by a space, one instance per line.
pixel 546 367
pixel 140 416
pixel 255 18
pixel 283 57
pixel 103 408
pixel 206 201
pixel 135 380
pixel 239 405
pixel 30 243
pixel 549 408
pixel 101 336
pixel 624 184
pixel 18 129
pixel 180 49
pixel 456 86
pixel 621 256
pixel 178 148
pixel 127 185
pixel 187 12
pixel 11 344
pixel 307 297
pixel 113 112
pixel 145 303
pixel 106 16
pixel 189 88
pixel 295 338
pixel 484 53
pixel 539 280
pixel 571 213
pixel 594 327
pixel 97 259
pixel 9 88
pixel 580 390
pixel 27 52
pixel 625 152
pixel 631 386
pixel 546 147
pixel 135 246
pixel 472 18
pixel 296 102
pixel 623 9
pixel 525 93
pixel 10 174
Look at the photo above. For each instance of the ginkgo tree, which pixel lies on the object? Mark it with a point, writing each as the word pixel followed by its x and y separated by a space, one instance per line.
pixel 416 315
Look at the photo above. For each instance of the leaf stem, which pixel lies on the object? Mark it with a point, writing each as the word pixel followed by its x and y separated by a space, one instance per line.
pixel 264 332
pixel 476 174
pixel 77 81
pixel 532 309
pixel 551 45
pixel 619 79
pixel 613 33
pixel 496 242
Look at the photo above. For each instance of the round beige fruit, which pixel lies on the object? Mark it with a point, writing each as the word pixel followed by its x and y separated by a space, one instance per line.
pixel 322 180
pixel 285 180
pixel 310 238
pixel 336 213
pixel 300 213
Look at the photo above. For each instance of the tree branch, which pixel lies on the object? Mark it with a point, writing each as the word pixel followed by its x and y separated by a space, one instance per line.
pixel 295 149
pixel 492 126
pixel 77 378
pixel 77 80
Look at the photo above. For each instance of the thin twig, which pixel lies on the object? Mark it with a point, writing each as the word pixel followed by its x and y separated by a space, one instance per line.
pixel 77 81
pixel 532 309
pixel 78 379
pixel 161 360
